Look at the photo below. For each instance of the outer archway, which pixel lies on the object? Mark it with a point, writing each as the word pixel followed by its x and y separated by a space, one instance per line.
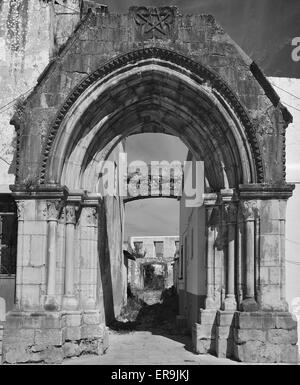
pixel 79 112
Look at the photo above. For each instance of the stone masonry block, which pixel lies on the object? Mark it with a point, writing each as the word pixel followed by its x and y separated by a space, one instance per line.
pixel 223 331
pixel 72 333
pixel 91 318
pixel 205 331
pixel 72 320
pixel 207 317
pixel 13 354
pixel 247 352
pixel 225 318
pixel 21 337
pixel 285 321
pixel 52 321
pixel 91 331
pixel 255 320
pixel 243 335
pixel 281 336
pixel 224 347
pixel 48 337
pixel 289 354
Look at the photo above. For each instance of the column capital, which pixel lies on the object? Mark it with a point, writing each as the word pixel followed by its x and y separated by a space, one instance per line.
pixel 53 209
pixel 89 216
pixel 249 209
pixel 70 212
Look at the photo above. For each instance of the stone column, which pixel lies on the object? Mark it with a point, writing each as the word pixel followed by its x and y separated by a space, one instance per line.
pixel 20 252
pixel 210 202
pixel 230 216
pixel 250 213
pixel 53 209
pixel 88 254
pixel 69 300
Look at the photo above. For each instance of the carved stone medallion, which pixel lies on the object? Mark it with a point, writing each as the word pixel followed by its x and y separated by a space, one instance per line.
pixel 154 22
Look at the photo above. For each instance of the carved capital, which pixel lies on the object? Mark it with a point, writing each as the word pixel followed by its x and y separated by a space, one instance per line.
pixel 53 210
pixel 20 210
pixel 249 210
pixel 230 210
pixel 89 216
pixel 70 213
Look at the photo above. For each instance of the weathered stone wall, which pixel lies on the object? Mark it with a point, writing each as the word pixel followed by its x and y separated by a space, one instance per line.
pixel 31 33
pixel 51 337
pixel 101 37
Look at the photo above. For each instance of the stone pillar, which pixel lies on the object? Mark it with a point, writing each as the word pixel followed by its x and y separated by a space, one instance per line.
pixel 20 253
pixel 53 209
pixel 250 213
pixel 69 300
pixel 230 215
pixel 203 332
pixel 88 255
pixel 210 204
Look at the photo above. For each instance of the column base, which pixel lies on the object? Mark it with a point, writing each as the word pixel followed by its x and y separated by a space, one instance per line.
pixel 49 337
pixel 249 305
pixel 230 303
pixel 265 337
pixel 50 303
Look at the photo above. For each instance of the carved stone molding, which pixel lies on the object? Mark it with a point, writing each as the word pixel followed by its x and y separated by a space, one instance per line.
pixel 173 58
pixel 89 216
pixel 53 210
pixel 20 210
pixel 154 22
pixel 249 210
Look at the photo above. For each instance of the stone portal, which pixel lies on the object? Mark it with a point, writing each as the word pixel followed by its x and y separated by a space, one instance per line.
pixel 151 70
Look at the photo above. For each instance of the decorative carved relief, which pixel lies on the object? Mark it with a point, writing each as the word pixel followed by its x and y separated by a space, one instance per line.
pixel 249 210
pixel 53 210
pixel 154 22
pixel 20 210
pixel 89 216
pixel 70 213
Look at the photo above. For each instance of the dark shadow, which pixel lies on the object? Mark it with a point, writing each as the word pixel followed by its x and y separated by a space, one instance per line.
pixel 159 318
pixel 105 266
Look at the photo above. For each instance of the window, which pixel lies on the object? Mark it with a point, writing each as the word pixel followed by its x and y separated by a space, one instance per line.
pixel 159 249
pixel 138 246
